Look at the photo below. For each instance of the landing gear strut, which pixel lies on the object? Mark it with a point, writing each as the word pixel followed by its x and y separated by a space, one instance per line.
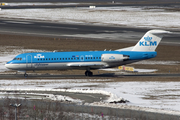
pixel 25 75
pixel 88 73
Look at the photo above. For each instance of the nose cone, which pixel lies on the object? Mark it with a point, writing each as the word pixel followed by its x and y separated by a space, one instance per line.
pixel 7 65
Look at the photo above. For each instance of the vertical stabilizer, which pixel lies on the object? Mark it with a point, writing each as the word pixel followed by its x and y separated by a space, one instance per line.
pixel 150 40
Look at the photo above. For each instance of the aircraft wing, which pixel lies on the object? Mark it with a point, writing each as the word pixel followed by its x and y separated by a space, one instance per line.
pixel 91 65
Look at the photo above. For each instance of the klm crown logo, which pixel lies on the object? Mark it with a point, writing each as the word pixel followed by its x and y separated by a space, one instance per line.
pixel 112 57
pixel 148 42
pixel 148 38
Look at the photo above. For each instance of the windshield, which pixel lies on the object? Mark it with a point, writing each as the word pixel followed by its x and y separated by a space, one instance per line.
pixel 17 59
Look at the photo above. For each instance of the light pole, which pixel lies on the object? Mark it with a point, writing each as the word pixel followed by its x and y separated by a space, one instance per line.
pixel 16 106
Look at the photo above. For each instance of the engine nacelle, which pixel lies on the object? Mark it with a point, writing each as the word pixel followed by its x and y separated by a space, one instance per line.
pixel 113 57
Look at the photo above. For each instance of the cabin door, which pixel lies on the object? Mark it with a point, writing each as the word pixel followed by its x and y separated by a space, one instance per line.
pixel 28 61
pixel 82 58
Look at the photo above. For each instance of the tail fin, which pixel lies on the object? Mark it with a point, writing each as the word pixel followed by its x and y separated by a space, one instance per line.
pixel 150 40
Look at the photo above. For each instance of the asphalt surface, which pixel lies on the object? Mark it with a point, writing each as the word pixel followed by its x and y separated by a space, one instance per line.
pixel 86 5
pixel 107 75
pixel 83 0
pixel 85 97
pixel 66 30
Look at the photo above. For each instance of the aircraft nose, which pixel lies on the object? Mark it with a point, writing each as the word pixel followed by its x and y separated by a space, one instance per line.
pixel 9 66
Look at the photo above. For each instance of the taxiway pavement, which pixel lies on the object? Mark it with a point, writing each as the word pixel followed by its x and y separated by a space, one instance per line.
pixel 106 75
pixel 67 30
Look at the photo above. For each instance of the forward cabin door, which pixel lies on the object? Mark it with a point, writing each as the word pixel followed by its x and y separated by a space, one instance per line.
pixel 28 61
pixel 82 58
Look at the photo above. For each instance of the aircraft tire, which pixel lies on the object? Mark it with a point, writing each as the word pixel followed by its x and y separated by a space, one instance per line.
pixel 86 73
pixel 90 73
pixel 25 75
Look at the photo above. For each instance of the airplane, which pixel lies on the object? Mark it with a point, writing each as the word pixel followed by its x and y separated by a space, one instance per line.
pixel 89 60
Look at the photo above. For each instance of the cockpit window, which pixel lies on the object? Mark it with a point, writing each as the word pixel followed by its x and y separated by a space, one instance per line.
pixel 17 59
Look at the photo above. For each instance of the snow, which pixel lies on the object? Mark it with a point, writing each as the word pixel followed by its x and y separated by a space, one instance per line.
pixel 123 16
pixel 161 95
pixel 145 70
pixel 36 3
pixel 136 70
pixel 150 62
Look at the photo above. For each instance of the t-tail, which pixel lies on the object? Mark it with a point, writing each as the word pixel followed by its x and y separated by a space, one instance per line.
pixel 150 40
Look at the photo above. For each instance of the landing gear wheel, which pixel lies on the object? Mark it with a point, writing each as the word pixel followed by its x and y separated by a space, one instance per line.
pixel 88 73
pixel 25 75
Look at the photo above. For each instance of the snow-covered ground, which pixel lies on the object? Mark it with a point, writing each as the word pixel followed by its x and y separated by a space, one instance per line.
pixel 120 16
pixel 145 62
pixel 135 70
pixel 36 3
pixel 161 95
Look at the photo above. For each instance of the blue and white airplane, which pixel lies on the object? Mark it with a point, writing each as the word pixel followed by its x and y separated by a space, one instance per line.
pixel 88 60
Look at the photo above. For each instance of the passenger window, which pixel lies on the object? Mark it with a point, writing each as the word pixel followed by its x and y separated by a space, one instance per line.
pixel 57 58
pixel 63 58
pixel 41 59
pixel 96 57
pixel 78 58
pixel 49 59
pixel 66 58
pixel 99 57
pixel 44 59
pixel 60 58
pixel 38 59
pixel 71 58
pixel 86 57
pixel 54 58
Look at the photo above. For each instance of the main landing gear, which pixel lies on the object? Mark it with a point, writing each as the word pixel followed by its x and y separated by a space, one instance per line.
pixel 88 73
pixel 25 75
